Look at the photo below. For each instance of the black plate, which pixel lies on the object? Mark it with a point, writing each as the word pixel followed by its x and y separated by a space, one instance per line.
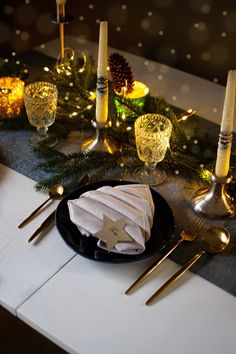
pixel 161 233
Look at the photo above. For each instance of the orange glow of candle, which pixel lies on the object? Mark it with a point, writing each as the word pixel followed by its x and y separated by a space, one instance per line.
pixel 11 97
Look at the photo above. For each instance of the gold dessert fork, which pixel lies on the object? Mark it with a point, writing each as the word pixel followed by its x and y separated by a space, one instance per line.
pixel 184 236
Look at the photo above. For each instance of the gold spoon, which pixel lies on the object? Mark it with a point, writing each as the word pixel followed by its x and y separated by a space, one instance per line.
pixel 214 240
pixel 55 192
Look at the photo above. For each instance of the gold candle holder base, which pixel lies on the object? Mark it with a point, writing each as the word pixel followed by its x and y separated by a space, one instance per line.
pixel 214 201
pixel 101 141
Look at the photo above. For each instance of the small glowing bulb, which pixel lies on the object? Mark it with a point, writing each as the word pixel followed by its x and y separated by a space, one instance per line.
pixel 206 174
pixel 92 95
pixel 46 69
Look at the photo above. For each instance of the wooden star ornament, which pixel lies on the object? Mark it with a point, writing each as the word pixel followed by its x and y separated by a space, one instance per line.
pixel 113 232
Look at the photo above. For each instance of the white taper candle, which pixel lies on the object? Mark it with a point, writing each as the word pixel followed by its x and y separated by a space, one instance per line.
pixel 226 129
pixel 102 75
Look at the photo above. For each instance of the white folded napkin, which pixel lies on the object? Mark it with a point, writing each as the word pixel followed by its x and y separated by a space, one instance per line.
pixel 133 202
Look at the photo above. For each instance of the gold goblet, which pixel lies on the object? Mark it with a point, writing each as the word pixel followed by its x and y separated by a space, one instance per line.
pixel 41 103
pixel 152 135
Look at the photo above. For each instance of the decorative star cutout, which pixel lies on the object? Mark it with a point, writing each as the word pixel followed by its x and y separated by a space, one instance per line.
pixel 112 232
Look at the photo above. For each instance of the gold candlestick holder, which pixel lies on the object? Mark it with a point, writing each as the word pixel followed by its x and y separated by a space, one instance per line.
pixel 100 141
pixel 61 19
pixel 214 201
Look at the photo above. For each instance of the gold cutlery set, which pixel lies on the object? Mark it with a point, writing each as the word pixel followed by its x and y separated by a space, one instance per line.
pixel 55 192
pixel 212 240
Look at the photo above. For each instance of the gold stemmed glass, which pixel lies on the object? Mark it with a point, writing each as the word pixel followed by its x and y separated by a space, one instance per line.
pixel 152 135
pixel 41 103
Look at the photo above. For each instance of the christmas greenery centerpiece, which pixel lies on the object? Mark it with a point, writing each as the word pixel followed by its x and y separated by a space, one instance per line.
pixel 75 77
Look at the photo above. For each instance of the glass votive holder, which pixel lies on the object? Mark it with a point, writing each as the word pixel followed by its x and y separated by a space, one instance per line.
pixel 152 135
pixel 40 99
pixel 137 96
pixel 11 96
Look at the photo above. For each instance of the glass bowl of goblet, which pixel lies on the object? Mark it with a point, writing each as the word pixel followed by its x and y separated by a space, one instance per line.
pixel 41 104
pixel 152 135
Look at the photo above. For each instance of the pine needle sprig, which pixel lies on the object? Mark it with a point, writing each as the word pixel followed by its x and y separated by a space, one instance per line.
pixel 135 109
pixel 68 169
pixel 46 151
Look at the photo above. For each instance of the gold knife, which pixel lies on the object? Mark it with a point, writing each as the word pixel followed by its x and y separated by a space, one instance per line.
pixel 44 224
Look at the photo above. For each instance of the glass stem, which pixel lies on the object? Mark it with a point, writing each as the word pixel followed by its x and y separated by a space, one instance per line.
pixel 150 166
pixel 42 131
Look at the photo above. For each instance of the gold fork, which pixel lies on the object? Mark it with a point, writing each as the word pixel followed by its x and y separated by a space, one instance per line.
pixel 189 235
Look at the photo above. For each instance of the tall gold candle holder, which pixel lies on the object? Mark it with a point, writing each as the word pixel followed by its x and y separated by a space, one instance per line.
pixel 61 19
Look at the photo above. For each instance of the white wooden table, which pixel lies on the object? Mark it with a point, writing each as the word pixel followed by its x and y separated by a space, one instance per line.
pixel 24 268
pixel 80 304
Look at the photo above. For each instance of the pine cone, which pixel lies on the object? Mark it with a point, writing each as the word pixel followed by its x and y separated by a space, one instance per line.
pixel 121 73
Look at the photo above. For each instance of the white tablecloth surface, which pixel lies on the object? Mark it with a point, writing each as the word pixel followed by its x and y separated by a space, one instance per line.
pixel 24 267
pixel 83 308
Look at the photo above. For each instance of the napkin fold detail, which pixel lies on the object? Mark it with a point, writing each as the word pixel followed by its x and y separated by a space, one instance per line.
pixel 131 201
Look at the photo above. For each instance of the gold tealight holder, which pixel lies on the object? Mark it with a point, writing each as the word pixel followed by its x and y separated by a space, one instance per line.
pixel 11 97
pixel 137 96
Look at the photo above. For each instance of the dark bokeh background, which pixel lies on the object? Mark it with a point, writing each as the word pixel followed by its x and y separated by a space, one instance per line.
pixel 197 36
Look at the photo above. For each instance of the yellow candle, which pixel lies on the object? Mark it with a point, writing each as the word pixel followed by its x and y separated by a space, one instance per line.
pixel 102 76
pixel 225 139
pixel 11 96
